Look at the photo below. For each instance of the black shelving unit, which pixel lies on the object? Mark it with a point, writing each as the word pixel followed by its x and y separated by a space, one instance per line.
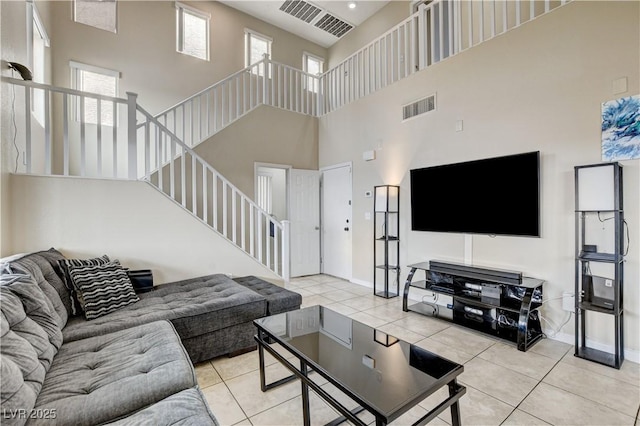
pixel 386 246
pixel 599 257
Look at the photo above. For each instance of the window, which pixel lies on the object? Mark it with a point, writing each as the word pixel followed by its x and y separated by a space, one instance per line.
pixel 313 65
pixel 100 14
pixel 98 80
pixel 193 31
pixel 256 46
pixel 38 40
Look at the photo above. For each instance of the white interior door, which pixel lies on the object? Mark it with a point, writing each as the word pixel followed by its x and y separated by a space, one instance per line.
pixel 305 222
pixel 336 221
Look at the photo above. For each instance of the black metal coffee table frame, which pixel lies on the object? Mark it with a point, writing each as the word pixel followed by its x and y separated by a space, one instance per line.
pixel 264 337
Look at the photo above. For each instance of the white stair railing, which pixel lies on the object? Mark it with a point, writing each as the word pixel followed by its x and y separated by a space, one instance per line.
pixel 178 172
pixel 266 82
pixel 128 143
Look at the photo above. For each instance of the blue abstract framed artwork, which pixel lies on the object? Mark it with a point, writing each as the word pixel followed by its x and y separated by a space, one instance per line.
pixel 621 129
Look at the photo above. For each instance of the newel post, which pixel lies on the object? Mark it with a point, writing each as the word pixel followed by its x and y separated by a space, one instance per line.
pixel 132 123
pixel 286 250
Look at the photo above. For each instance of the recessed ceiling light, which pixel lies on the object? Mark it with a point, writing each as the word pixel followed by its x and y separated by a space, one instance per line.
pixel 352 5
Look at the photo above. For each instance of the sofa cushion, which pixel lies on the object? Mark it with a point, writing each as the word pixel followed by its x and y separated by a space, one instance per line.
pixel 37 265
pixel 196 306
pixel 102 378
pixel 186 408
pixel 53 256
pixel 102 288
pixel 64 265
pixel 26 307
pixel 278 299
pixel 30 339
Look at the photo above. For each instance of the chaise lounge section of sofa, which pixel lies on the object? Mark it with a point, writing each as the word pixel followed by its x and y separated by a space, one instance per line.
pixel 133 365
pixel 213 315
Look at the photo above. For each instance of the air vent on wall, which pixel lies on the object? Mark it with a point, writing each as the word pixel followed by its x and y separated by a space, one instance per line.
pixel 333 25
pixel 301 10
pixel 419 107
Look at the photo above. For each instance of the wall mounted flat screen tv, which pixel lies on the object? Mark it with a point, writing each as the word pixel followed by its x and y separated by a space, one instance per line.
pixel 494 196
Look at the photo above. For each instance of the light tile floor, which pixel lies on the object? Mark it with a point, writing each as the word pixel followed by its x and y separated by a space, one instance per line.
pixel 545 385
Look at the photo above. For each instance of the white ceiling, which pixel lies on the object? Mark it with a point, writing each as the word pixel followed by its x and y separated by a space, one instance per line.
pixel 269 11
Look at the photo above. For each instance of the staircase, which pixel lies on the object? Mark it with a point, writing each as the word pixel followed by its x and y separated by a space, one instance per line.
pixel 159 149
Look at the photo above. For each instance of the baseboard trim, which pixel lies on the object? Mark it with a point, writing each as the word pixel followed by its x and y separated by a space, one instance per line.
pixel 361 282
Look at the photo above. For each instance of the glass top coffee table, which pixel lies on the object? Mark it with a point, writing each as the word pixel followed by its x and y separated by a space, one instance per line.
pixel 382 374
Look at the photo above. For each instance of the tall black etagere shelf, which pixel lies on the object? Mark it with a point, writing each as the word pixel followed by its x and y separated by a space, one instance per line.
pixel 386 245
pixel 599 268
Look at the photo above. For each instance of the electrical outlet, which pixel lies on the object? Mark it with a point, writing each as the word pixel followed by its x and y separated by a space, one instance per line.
pixel 568 301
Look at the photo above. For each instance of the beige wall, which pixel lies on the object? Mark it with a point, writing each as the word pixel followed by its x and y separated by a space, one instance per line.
pixel 130 221
pixel 266 135
pixel 259 137
pixel 540 87
pixel 144 49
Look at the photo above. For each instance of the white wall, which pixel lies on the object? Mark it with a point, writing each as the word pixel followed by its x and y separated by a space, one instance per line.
pixel 539 87
pixel 129 221
pixel 13 18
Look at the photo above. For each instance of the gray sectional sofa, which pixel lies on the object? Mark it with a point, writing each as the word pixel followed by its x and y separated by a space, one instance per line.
pixel 131 366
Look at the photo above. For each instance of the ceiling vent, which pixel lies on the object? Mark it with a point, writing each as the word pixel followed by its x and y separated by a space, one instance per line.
pixel 419 107
pixel 301 10
pixel 316 16
pixel 333 25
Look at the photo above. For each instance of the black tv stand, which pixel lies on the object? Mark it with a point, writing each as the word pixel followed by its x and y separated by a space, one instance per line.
pixel 498 302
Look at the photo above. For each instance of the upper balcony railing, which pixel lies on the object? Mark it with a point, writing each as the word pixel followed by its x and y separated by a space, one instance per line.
pixel 437 31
